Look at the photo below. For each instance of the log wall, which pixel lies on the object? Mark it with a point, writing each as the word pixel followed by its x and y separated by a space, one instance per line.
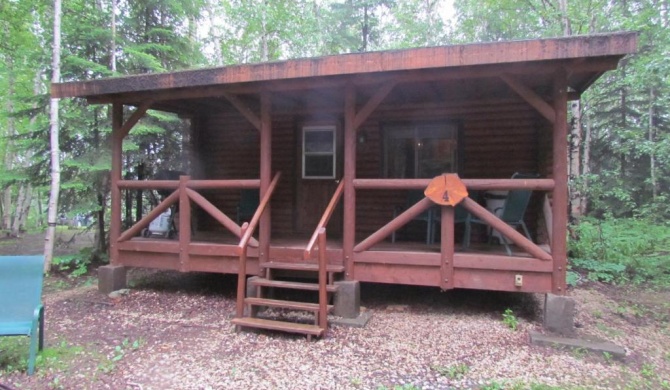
pixel 491 145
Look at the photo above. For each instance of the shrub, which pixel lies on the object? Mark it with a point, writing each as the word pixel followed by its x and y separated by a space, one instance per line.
pixel 622 250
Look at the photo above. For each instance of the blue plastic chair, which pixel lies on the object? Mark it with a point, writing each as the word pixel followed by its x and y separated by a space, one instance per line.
pixel 21 309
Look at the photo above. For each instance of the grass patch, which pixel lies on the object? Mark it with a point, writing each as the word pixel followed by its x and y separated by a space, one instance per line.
pixel 510 319
pixel 456 371
pixel 622 251
pixel 14 356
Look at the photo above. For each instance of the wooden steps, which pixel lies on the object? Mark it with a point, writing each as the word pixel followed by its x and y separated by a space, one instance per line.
pixel 320 319
pixel 301 266
pixel 262 282
pixel 292 305
pixel 291 327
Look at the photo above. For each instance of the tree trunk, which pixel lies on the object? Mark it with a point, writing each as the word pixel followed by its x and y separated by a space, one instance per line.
pixel 624 125
pixel 40 215
pixel 7 208
pixel 651 136
pixel 139 193
pixel 565 20
pixel 574 158
pixel 55 149
pixel 264 32
pixel 26 207
pixel 18 214
pixel 365 33
pixel 112 46
pixel 586 169
pixel 9 148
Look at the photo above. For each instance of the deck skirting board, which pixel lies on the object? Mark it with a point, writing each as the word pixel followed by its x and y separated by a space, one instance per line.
pixel 426 259
pixel 501 263
pixel 144 246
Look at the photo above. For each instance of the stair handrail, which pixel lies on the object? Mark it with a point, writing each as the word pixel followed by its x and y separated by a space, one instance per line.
pixel 324 220
pixel 323 275
pixel 247 232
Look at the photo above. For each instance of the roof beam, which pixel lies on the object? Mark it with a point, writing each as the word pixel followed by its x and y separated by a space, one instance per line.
pixel 373 103
pixel 243 109
pixel 368 63
pixel 134 118
pixel 337 82
pixel 530 96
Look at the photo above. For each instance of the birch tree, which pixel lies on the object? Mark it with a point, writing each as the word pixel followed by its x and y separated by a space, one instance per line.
pixel 55 150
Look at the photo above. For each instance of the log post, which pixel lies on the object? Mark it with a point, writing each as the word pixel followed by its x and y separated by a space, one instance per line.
pixel 560 192
pixel 447 248
pixel 115 218
pixel 265 175
pixel 349 231
pixel 323 294
pixel 241 278
pixel 184 223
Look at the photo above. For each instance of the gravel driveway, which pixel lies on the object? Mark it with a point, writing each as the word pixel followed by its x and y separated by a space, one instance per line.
pixel 172 331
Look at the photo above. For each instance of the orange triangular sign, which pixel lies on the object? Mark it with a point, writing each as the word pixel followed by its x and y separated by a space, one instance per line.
pixel 446 190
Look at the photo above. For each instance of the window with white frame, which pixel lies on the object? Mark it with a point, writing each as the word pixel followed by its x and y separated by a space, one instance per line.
pixel 420 150
pixel 318 152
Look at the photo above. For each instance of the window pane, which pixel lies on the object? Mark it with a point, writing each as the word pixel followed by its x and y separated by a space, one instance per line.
pixel 435 157
pixel 317 141
pixel 319 166
pixel 420 151
pixel 400 158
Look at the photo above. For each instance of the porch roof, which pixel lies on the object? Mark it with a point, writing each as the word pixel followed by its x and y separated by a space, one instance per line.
pixel 585 58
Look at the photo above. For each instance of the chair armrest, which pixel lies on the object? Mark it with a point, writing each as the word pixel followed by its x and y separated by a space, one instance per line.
pixel 38 312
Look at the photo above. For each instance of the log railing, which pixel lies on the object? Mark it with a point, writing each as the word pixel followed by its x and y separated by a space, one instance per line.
pixel 469 204
pixel 323 274
pixel 185 188
pixel 324 220
pixel 247 232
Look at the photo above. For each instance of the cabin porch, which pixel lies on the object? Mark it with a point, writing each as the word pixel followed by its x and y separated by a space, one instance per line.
pixel 376 258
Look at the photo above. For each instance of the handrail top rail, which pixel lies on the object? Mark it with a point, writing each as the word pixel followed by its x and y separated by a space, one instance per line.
pixel 471 184
pixel 337 195
pixel 193 184
pixel 259 211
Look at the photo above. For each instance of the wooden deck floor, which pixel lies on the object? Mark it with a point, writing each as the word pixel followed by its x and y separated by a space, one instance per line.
pixel 299 243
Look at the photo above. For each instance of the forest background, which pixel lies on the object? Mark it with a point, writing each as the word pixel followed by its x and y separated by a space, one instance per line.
pixel 619 139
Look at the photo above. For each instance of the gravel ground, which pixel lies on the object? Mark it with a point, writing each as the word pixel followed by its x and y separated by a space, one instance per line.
pixel 172 331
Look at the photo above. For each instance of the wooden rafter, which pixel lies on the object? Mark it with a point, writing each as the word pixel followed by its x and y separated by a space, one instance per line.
pixel 530 96
pixel 134 118
pixel 243 109
pixel 373 103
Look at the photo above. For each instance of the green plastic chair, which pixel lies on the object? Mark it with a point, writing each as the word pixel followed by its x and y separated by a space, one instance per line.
pixel 249 201
pixel 21 309
pixel 512 213
pixel 430 216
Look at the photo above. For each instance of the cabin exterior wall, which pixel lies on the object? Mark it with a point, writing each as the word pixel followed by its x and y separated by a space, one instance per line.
pixel 492 144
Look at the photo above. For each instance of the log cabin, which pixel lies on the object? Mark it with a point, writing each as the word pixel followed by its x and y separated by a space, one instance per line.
pixel 339 152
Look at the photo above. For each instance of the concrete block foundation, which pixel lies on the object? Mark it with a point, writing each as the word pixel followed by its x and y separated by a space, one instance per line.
pixel 111 278
pixel 347 299
pixel 559 314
